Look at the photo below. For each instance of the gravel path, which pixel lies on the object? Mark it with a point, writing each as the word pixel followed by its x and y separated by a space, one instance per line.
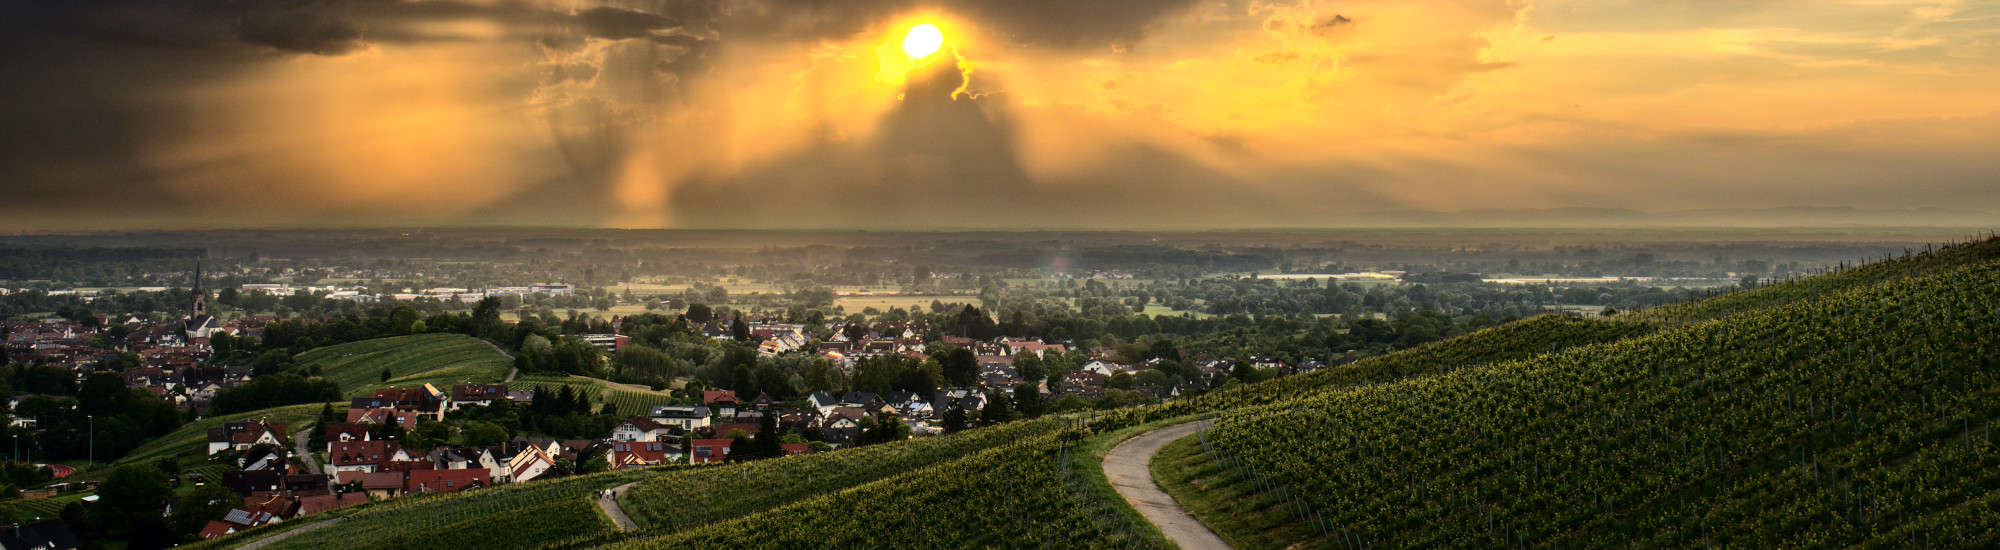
pixel 608 500
pixel 1127 468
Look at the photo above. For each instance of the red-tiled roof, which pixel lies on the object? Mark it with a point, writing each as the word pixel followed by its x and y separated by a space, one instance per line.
pixel 446 481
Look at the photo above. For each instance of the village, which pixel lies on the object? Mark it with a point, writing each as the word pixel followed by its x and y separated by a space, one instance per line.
pixel 281 471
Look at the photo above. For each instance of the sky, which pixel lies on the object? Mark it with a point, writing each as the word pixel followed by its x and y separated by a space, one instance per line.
pixel 1035 113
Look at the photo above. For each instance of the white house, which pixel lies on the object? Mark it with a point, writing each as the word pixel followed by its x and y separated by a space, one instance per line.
pixel 686 417
pixel 640 429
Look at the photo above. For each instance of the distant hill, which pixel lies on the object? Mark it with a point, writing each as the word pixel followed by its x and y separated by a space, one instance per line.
pixel 415 360
pixel 1832 216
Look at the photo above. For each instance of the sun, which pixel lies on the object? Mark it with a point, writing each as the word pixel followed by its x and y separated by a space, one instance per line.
pixel 922 41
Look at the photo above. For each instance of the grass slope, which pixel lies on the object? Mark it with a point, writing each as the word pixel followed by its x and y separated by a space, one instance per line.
pixel 192 438
pixel 1853 410
pixel 438 359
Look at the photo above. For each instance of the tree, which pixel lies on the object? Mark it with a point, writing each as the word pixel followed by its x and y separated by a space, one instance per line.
pixel 769 442
pixel 960 366
pixel 131 493
pixel 1030 367
pixel 1028 398
pixel 326 418
pixel 485 434
pixel 207 503
pixel 954 420
pixel 996 411
pixel 699 313
pixel 386 374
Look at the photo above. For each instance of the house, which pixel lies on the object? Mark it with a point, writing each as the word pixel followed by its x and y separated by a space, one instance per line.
pixel 277 505
pixel 383 415
pixel 843 424
pixel 1031 346
pixel 823 401
pixel 795 448
pixel 427 401
pixel 466 395
pixel 610 343
pixel 325 503
pixel 260 481
pixel 748 429
pixel 1083 383
pixel 724 402
pixel 342 433
pixel 635 454
pixel 364 456
pixel 241 436
pixel 640 429
pixel 236 520
pixel 529 465
pixel 262 459
pixel 380 485
pixel 685 417
pixel 861 399
pixel 445 481
pixel 708 451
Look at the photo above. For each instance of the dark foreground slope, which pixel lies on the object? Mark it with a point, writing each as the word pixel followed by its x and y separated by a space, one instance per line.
pixel 1852 410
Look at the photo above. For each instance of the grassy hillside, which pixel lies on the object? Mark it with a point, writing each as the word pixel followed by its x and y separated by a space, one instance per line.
pixel 192 438
pixel 631 399
pixel 1851 410
pixel 438 359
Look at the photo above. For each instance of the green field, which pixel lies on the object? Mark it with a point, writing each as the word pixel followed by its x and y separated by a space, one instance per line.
pixel 631 399
pixel 415 360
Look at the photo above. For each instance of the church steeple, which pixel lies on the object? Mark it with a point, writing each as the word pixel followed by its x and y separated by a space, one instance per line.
pixel 200 306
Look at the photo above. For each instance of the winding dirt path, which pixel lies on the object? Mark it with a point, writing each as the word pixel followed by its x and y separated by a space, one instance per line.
pixel 608 500
pixel 1126 466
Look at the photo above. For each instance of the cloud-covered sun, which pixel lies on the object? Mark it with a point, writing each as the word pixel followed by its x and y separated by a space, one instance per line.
pixel 922 41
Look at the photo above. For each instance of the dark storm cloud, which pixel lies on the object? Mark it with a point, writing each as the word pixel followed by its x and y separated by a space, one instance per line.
pixel 318 27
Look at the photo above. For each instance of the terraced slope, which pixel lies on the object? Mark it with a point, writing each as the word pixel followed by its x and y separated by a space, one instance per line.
pixel 438 359
pixel 1851 412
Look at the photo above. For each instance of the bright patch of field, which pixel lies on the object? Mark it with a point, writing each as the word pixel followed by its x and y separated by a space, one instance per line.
pixel 1158 309
pixel 415 360
pixel 854 304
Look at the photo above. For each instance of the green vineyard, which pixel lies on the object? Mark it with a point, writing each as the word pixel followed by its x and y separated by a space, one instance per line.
pixel 1850 410
pixel 437 359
